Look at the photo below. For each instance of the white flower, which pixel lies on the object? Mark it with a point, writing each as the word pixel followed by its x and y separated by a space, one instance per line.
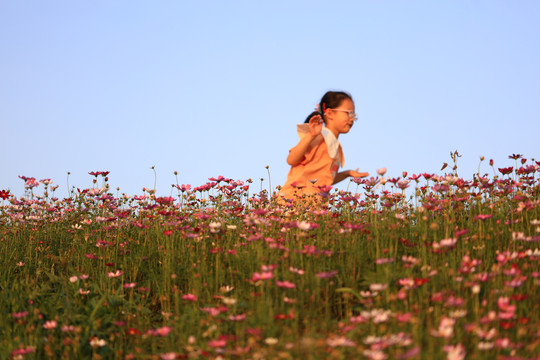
pixel 115 274
pixel 225 289
pixel 455 352
pixel 51 324
pixel 340 341
pixel 485 345
pixel 214 227
pixel 96 342
pixel 304 225
pixel 378 287
pixel 271 341
pixel 228 301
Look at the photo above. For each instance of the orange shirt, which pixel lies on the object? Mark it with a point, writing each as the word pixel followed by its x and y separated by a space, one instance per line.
pixel 320 165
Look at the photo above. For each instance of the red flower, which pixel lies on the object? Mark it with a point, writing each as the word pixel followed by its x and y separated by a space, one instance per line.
pixel 4 194
pixel 515 156
pixel 506 324
pixel 520 297
pixel 507 170
pixel 133 332
pixel 283 316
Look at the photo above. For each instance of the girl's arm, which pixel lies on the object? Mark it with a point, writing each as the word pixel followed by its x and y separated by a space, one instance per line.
pixel 297 153
pixel 347 173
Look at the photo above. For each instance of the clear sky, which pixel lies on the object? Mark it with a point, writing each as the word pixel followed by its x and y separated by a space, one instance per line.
pixel 212 88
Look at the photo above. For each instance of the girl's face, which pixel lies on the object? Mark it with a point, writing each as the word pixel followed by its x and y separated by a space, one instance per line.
pixel 340 120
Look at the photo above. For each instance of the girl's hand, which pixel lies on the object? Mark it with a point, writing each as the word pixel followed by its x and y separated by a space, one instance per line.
pixel 356 174
pixel 315 125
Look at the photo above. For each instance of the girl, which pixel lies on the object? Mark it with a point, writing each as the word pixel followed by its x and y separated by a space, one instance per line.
pixel 317 157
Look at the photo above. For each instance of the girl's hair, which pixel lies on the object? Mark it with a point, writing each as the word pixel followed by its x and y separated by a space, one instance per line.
pixel 330 100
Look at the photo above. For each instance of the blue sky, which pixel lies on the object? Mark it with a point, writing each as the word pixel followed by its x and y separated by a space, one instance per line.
pixel 217 88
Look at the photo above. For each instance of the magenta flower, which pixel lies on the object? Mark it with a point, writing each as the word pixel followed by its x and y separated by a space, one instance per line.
pixel 20 315
pixel 326 275
pixel 19 353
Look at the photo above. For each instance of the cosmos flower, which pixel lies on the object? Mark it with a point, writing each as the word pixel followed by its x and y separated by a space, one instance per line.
pixel 285 284
pixel 50 324
pixel 189 297
pixel 114 274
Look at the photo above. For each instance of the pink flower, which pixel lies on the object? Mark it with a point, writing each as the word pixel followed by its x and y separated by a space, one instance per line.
pixel 516 282
pixel 51 324
pixel 189 297
pixel 340 341
pixel 217 343
pixel 20 315
pixel 270 267
pixel 238 317
pixel 214 311
pixel 19 353
pixel 358 319
pixel 415 351
pixel 381 171
pixel 262 276
pixel 285 284
pixel 406 283
pixel 130 285
pixel 483 217
pixel 403 184
pixel 378 287
pixel 504 304
pixel 168 356
pixel 162 331
pixel 297 271
pixel 446 328
pixel 404 317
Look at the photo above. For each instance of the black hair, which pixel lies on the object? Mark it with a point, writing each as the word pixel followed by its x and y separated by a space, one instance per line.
pixel 330 100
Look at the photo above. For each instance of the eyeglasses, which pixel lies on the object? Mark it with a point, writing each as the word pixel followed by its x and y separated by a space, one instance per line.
pixel 351 113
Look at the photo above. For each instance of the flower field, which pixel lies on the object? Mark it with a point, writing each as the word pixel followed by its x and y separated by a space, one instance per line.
pixel 426 266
